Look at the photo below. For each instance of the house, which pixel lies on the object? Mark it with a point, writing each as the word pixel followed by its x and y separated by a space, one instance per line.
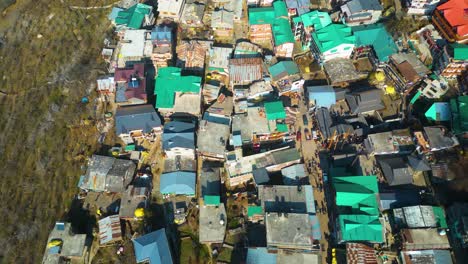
pixel 162 39
pixel 260 176
pixel 134 46
pixel 222 23
pixel 276 115
pixel 255 213
pixel 320 96
pixel 240 169
pixel 259 2
pixel 361 12
pixel 193 13
pixel 136 121
pixel 333 41
pixel 252 127
pixel 107 174
pixel 63 244
pixel 256 91
pixel 210 178
pixel 364 101
pixel 259 255
pixel 418 7
pixel 434 256
pixel 358 210
pixel 457 216
pixel 398 198
pixel 420 216
pixel 305 24
pixel 459 109
pixel 178 183
pixel 269 27
pixel 341 72
pixel 449 20
pixel 423 238
pixel 177 94
pixel 289 231
pixel 436 138
pixel 132 199
pixel 153 247
pixel 110 230
pixel 287 199
pixel 245 49
pixel 450 62
pixel 294 175
pixel 244 71
pixel 433 89
pixel 439 112
pixel 105 86
pixel 396 171
pixel 170 9
pixel 219 59
pixel 178 139
pixel 135 17
pixel 357 253
pixel 191 54
pixel 131 85
pixel 213 221
pixel 297 7
pixel 286 77
pixel 376 36
pixel 410 70
pixel 212 137
pixel 392 142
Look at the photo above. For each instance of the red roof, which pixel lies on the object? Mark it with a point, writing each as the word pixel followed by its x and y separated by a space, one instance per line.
pixel 456 13
pixel 125 75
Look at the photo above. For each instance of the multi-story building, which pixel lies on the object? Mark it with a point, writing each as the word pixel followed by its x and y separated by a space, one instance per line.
pixel 450 20
pixel 361 12
pixel 421 7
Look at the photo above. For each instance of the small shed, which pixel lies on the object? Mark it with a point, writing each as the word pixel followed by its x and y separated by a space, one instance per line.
pixel 110 230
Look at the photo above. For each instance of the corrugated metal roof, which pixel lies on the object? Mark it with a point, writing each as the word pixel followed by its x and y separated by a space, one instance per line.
pixel 179 182
pixel 153 247
pixel 245 69
pixel 109 229
pixel 136 117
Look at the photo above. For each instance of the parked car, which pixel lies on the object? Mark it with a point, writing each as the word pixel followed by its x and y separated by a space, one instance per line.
pixel 307 134
pixel 305 120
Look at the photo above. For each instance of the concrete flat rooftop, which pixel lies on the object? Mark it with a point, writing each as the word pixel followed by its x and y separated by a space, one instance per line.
pixel 212 138
pixel 211 229
pixel 288 230
pixel 72 245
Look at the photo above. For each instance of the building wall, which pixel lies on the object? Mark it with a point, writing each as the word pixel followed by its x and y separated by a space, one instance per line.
pixel 171 9
pixel 355 20
pixel 180 152
pixel 285 50
pixel 421 7
pixel 341 51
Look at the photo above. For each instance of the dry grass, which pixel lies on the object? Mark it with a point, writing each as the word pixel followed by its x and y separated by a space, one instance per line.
pixel 43 140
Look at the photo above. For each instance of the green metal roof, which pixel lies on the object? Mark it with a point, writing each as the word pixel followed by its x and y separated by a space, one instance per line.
pixel 315 18
pixel 290 67
pixel 439 111
pixel 332 36
pixel 377 36
pixel 415 97
pixel 133 17
pixel 360 228
pixel 460 51
pixel 254 210
pixel 130 147
pixel 277 17
pixel 356 194
pixel 212 199
pixel 169 81
pixel 282 127
pixel 440 216
pixel 275 110
pixel 459 109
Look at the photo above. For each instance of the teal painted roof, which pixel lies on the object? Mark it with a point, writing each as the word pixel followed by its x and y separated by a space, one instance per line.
pixel 288 67
pixel 360 228
pixel 459 109
pixel 254 210
pixel 439 111
pixel 460 51
pixel 332 36
pixel 275 110
pixel 277 17
pixel 440 216
pixel 212 199
pixel 315 18
pixel 356 194
pixel 377 36
pixel 133 17
pixel 169 81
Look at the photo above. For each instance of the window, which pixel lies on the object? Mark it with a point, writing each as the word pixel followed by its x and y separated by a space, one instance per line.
pixel 333 51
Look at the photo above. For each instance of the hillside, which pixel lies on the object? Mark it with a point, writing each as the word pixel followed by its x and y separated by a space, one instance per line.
pixel 50 57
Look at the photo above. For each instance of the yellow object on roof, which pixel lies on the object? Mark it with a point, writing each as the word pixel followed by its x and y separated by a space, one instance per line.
pixel 54 243
pixel 390 90
pixel 380 76
pixel 139 213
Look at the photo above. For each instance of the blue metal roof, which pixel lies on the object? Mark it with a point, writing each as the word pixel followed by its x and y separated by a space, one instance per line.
pixel 113 14
pixel 178 135
pixel 309 199
pixel 316 232
pixel 324 95
pixel 153 247
pixel 260 256
pixel 136 117
pixel 178 182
